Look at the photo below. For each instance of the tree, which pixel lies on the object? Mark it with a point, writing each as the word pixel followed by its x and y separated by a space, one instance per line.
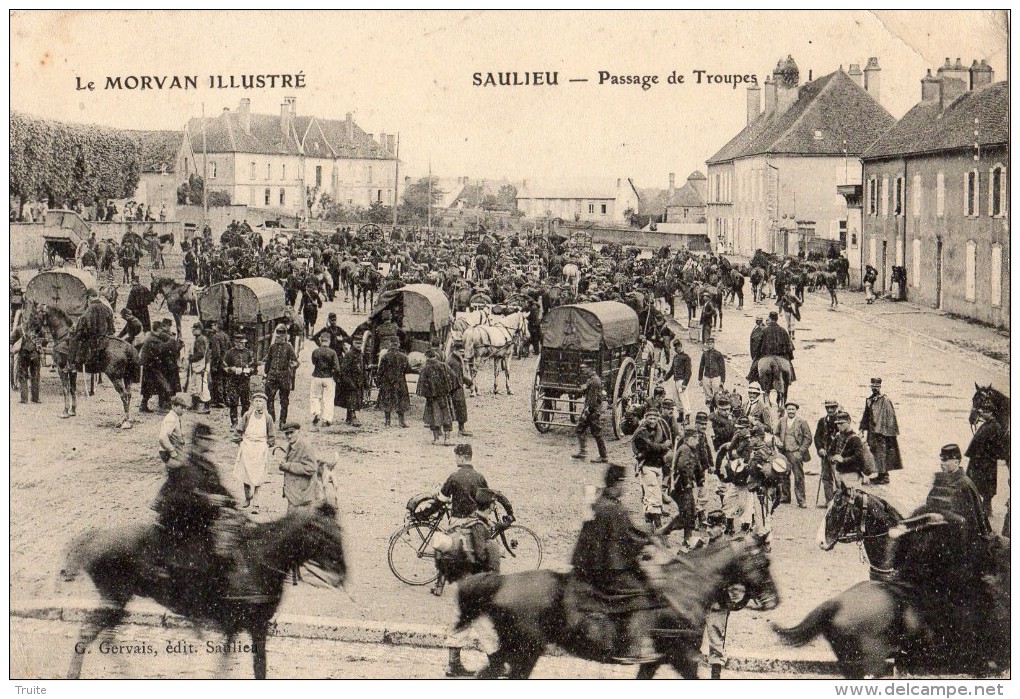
pixel 190 192
pixel 218 198
pixel 507 197
pixel 416 198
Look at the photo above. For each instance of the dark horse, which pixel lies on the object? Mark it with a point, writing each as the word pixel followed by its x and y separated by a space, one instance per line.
pixel 997 403
pixel 117 561
pixel 946 612
pixel 858 517
pixel 527 609
pixel 179 298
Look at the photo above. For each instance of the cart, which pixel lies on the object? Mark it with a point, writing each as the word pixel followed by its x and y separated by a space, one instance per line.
pixel 607 336
pixel 252 306
pixel 66 288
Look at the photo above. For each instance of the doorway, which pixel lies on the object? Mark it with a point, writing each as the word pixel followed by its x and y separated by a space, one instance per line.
pixel 938 273
pixel 883 268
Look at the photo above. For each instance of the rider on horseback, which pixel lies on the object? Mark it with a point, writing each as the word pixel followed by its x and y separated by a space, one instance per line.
pixel 92 332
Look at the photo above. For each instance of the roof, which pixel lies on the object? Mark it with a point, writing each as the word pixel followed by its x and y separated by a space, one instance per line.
pixel 927 129
pixel 359 145
pixel 589 326
pixel 696 175
pixel 828 111
pixel 593 189
pixel 223 134
pixel 682 228
pixel 686 196
pixel 425 307
pixel 157 150
pixel 64 288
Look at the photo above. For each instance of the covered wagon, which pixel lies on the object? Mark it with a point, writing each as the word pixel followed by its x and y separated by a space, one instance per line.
pixel 252 306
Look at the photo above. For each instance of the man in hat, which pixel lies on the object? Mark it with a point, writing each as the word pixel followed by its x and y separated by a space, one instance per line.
pixel 650 446
pixel 138 301
pixel 756 331
pixel 281 362
pixel 719 613
pixel 325 365
pixel 711 371
pixel 825 434
pixel 132 327
pixel 723 422
pixel 988 451
pixel 757 410
pixel 300 468
pixel 392 379
pixel 337 335
pixel 878 426
pixel 683 482
pixel 794 436
pixel 198 368
pixel 607 557
pixel 219 343
pixel 238 366
pixel 707 481
pixel 458 381
pixel 680 371
pixel 434 385
pixel 29 345
pixel 258 435
pixel 590 419
pixel 952 490
pixel 387 333
pixel 350 383
pixel 171 431
pixel 92 331
pixel 850 457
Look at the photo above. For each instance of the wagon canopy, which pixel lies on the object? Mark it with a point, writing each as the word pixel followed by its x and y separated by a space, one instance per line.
pixel 425 307
pixel 250 300
pixel 64 288
pixel 590 326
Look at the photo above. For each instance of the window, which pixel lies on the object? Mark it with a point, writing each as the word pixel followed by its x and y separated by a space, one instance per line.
pixel 252 173
pixel 873 196
pixel 212 169
pixel 186 168
pixel 997 191
pixel 818 135
pixel 369 173
pixel 841 227
pixel 997 275
pixel 917 195
pixel 970 194
pixel 378 196
pixel 318 175
pixel 940 194
pixel 916 280
pixel 971 262
pixel 883 195
pixel 603 208
pixel 591 207
pixel 283 171
pixel 269 171
pixel 268 195
pixel 283 196
pixel 898 197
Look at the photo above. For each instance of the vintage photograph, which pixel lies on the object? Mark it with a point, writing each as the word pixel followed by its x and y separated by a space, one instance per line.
pixel 428 345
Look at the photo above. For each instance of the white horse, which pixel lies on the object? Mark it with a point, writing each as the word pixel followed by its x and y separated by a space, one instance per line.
pixel 468 319
pixel 572 275
pixel 516 323
pixel 494 342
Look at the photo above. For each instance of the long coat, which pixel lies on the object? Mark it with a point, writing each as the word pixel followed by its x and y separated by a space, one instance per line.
pixel 434 386
pixel 393 394
pixel 351 381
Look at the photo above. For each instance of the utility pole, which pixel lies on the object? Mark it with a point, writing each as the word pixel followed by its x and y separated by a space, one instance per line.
pixel 205 169
pixel 430 198
pixel 396 181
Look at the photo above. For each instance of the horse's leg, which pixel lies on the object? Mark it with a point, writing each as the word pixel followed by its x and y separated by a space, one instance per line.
pixel 72 382
pixel 224 664
pixel 124 389
pixel 495 375
pixel 506 374
pixel 259 632
pixel 99 620
pixel 647 671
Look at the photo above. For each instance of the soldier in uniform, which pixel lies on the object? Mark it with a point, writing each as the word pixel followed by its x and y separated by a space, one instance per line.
pixel 878 423
pixel 988 450
pixel 238 366
pixel 387 333
pixel 29 362
pixel 93 329
pixel 680 371
pixel 825 434
pixel 723 423
pixel 198 363
pixel 281 361
pixel 849 456
pixel 590 420
pixel 650 447
pixel 17 296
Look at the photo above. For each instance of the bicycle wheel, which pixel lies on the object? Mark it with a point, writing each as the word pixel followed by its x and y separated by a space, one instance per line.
pixel 521 550
pixel 411 556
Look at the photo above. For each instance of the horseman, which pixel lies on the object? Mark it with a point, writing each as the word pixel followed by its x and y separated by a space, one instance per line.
pixel 92 332
pixel 776 348
pixel 607 557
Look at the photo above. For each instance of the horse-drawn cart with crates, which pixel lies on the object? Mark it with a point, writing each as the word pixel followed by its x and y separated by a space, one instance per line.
pixel 252 306
pixel 605 335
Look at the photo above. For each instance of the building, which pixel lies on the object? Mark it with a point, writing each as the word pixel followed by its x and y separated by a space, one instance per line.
pixel 773 185
pixel 166 161
pixel 270 161
pixel 604 201
pixel 673 205
pixel 936 195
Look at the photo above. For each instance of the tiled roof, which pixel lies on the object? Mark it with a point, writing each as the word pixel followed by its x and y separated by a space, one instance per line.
pixel 926 128
pixel 360 146
pixel 311 137
pixel 157 150
pixel 696 175
pixel 652 201
pixel 686 196
pixel 594 189
pixel 223 134
pixel 828 111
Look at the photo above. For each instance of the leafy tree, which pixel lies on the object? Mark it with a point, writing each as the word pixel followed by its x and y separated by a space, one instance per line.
pixel 416 198
pixel 507 197
pixel 218 198
pixel 190 192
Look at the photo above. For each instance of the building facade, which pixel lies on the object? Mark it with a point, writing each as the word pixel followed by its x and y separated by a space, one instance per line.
pixel 167 160
pixel 935 196
pixel 601 202
pixel 773 186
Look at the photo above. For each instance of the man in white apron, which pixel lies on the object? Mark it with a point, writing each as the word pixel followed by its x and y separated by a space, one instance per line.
pixel 258 434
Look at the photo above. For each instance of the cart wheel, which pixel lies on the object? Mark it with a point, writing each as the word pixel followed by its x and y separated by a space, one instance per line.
pixel 538 402
pixel 623 392
pixel 368 348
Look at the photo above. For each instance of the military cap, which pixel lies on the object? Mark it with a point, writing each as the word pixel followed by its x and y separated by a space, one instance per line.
pixel 668 403
pixel 950 451
pixel 774 315
pixel 281 329
pixel 289 427
pixel 743 421
pixel 614 474
pixel 721 400
pixel 181 399
pixel 240 336
pixel 701 417
pixel 463 450
pixel 331 315
pixel 876 382
pixel 831 404
pixel 842 416
pixel 659 389
pixel 790 403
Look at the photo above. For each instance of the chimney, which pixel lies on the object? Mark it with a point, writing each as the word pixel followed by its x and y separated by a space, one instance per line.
pixel 244 114
pixel 753 103
pixel 954 81
pixel 226 110
pixel 810 73
pixel 855 74
pixel 287 115
pixel 382 141
pixel 618 182
pixel 930 88
pixel 392 145
pixel 981 74
pixel 349 126
pixel 770 96
pixel 786 77
pixel 672 182
pixel 871 78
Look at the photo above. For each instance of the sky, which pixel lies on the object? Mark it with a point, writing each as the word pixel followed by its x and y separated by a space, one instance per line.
pixel 412 73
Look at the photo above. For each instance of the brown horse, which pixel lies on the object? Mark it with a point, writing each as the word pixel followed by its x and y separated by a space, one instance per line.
pixel 120 361
pixel 527 609
pixel 179 298
pixel 858 517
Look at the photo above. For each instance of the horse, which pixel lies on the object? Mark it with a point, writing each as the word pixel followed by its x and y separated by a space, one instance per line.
pixel 494 342
pixel 528 612
pixel 841 268
pixel 775 373
pixel 118 562
pixel 856 516
pixel 177 296
pixel 468 319
pixel 943 613
pixel 757 284
pixel 828 280
pixel 993 400
pixel 517 324
pixel 120 361
pixel 572 276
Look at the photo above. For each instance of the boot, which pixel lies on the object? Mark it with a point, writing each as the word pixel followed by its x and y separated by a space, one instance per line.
pixel 387 422
pixel 730 531
pixel 582 448
pixel 640 647
pixel 455 667
pixel 203 409
pixel 400 416
pixel 463 431
pixel 716 672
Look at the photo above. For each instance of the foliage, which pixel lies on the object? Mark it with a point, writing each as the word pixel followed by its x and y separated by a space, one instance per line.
pixel 218 198
pixel 190 192
pixel 63 163
pixel 416 199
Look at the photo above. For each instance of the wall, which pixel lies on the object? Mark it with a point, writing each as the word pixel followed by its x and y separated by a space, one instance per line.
pixel 954 228
pixel 26 244
pixel 719 210
pixel 220 216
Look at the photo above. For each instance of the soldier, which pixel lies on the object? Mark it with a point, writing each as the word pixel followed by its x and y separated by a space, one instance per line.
pixel 29 362
pixel 238 366
pixel 198 368
pixel 711 371
pixel 723 423
pixel 650 447
pixel 680 371
pixel 387 332
pixel 878 426
pixel 988 451
pixel 825 434
pixel 281 361
pixel 219 343
pixel 706 465
pixel 591 416
pixel 93 329
pixel 17 296
pixel 132 326
pixel 850 458
pixel 457 396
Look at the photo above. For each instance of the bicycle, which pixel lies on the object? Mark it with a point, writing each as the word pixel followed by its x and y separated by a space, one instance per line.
pixel 412 559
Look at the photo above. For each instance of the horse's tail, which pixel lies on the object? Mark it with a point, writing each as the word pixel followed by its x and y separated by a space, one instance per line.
pixel 814 623
pixel 76 556
pixel 474 597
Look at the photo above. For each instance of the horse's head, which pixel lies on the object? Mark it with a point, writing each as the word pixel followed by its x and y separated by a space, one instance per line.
pixel 990 400
pixel 854 515
pixel 318 543
pixel 751 568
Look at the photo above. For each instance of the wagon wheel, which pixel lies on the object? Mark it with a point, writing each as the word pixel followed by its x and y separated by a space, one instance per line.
pixel 368 348
pixel 370 230
pixel 623 391
pixel 538 416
